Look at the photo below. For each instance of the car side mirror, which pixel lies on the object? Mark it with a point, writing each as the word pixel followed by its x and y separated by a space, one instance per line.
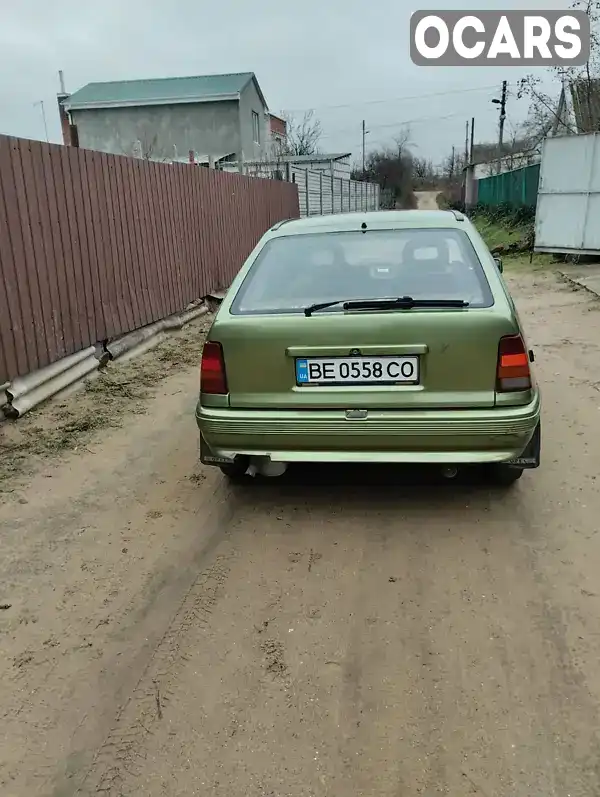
pixel 499 265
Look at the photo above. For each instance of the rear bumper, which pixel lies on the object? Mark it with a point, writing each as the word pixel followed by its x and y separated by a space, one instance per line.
pixel 436 436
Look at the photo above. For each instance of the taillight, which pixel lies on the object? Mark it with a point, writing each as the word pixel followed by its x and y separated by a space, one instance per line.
pixel 212 369
pixel 513 371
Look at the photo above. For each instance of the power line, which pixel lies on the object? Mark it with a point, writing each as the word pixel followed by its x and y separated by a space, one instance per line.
pixel 398 124
pixel 391 99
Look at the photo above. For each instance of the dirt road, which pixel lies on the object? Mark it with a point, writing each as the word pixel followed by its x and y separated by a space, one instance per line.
pixel 347 633
pixel 427 200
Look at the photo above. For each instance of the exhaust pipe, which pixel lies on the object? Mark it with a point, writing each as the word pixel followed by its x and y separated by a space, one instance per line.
pixel 450 472
pixel 263 466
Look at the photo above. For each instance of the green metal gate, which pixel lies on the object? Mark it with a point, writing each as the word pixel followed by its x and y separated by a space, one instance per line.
pixel 517 188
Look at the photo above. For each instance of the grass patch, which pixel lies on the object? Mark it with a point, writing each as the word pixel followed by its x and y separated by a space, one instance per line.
pixel 120 389
pixel 495 233
pixel 502 227
pixel 524 261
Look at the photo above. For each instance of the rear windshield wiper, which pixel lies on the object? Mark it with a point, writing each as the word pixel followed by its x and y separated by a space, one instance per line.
pixel 314 308
pixel 401 303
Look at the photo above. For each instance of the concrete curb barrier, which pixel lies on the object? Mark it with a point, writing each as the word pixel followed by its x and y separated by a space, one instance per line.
pixel 27 392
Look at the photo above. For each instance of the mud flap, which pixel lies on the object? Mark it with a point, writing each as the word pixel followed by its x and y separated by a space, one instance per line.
pixel 208 458
pixel 531 456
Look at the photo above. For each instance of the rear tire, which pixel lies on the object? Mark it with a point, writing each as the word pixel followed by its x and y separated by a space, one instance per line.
pixel 504 475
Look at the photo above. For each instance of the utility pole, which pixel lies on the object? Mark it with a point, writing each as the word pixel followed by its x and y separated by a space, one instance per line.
pixel 502 104
pixel 41 104
pixel 472 139
pixel 465 170
pixel 452 162
pixel 364 133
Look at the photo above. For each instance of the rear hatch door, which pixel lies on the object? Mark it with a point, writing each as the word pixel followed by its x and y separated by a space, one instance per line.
pixel 416 358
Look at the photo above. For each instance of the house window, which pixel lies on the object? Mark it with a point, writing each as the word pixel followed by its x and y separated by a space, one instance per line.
pixel 256 127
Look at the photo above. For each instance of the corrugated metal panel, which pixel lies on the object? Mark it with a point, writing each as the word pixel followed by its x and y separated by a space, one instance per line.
pixel 153 89
pixel 569 195
pixel 517 188
pixel 94 245
pixel 315 185
pixel 338 195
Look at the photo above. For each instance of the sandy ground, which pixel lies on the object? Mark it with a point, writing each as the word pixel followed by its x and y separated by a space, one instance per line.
pixel 353 632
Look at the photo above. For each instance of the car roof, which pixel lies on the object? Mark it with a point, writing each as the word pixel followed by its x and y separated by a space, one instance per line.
pixel 374 220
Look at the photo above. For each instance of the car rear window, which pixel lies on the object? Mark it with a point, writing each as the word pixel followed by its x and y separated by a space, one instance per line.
pixel 292 272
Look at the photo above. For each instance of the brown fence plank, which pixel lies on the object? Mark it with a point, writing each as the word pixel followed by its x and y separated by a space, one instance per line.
pixel 14 326
pixel 111 278
pixel 139 231
pixel 135 257
pixel 57 272
pixel 167 259
pixel 126 310
pixel 201 187
pixel 45 255
pixel 93 246
pixel 182 286
pixel 197 242
pixel 176 277
pixel 71 311
pixel 94 231
pixel 186 174
pixel 132 291
pixel 31 300
pixel 78 187
pixel 79 300
pixel 39 288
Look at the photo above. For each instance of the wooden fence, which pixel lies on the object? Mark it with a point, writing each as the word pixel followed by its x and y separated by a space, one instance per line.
pixel 94 245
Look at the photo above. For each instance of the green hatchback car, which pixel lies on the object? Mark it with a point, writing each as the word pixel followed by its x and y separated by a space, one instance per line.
pixel 381 337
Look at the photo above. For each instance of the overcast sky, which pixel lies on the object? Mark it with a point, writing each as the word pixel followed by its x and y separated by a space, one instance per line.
pixel 347 59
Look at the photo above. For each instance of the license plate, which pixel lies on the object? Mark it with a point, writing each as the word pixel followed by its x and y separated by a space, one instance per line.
pixel 357 370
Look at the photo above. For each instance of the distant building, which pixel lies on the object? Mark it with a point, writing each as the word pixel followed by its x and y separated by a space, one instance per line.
pixel 209 119
pixel 334 164
pixel 278 130
pixel 578 108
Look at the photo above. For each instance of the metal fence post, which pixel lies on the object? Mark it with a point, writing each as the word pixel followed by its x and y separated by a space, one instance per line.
pixel 321 190
pixel 306 188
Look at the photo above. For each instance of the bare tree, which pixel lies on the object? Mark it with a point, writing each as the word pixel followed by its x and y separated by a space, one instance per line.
pixel 392 169
pixel 403 142
pixel 425 176
pixel 147 146
pixel 271 165
pixel 546 112
pixel 303 135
